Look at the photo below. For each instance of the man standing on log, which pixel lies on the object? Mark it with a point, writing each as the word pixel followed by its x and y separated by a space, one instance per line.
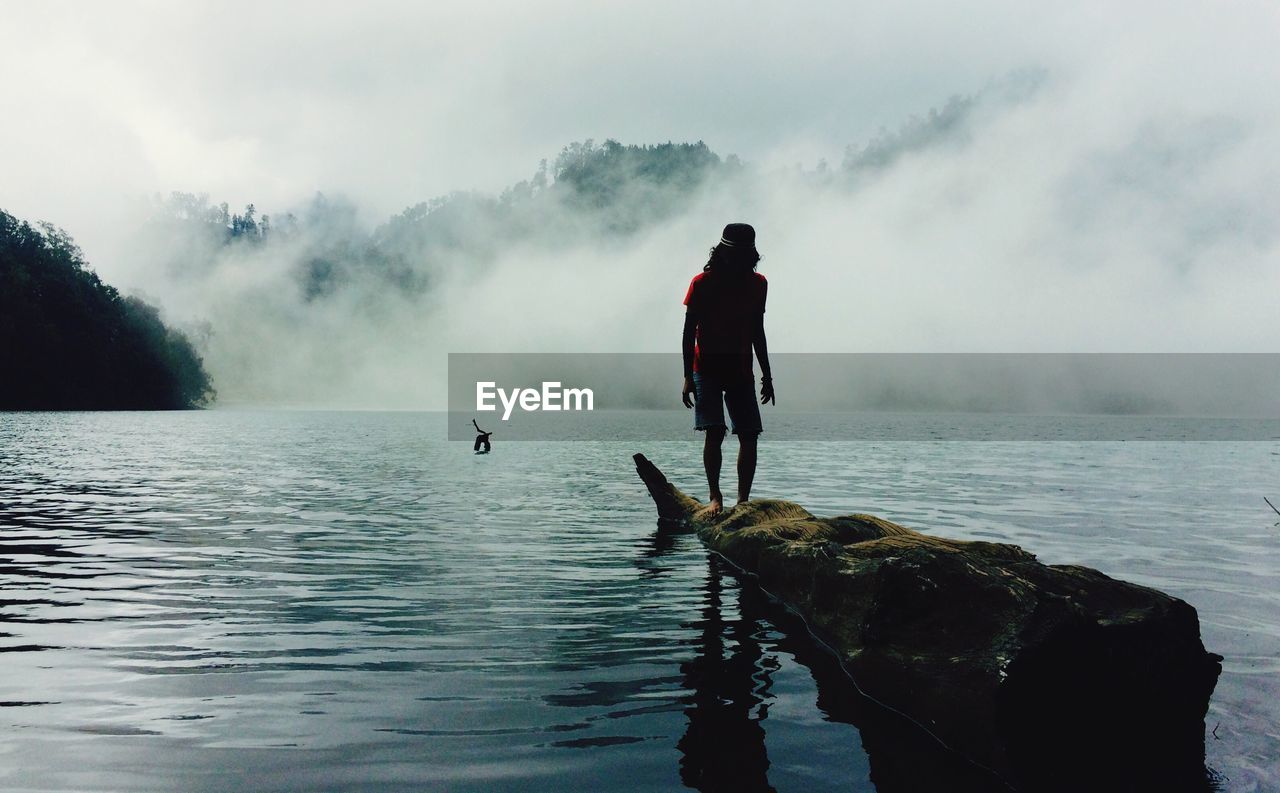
pixel 723 322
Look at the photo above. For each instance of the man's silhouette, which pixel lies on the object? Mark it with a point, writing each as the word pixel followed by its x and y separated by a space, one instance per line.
pixel 483 438
pixel 723 323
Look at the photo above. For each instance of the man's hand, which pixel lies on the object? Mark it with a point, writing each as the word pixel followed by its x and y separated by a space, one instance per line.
pixel 766 392
pixel 686 393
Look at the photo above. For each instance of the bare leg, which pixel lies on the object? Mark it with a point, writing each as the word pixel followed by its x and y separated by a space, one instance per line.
pixel 711 461
pixel 746 466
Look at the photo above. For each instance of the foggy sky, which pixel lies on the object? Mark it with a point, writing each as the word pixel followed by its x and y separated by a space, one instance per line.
pixel 1131 204
pixel 392 103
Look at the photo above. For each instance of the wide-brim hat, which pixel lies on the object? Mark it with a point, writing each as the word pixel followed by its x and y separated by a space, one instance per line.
pixel 738 237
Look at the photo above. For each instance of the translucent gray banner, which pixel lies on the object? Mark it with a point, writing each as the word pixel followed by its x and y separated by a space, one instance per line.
pixel 881 397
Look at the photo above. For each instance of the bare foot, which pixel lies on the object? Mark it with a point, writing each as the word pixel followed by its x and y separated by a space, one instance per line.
pixel 743 500
pixel 717 502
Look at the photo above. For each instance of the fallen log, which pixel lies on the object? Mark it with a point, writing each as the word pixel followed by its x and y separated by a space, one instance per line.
pixel 1054 677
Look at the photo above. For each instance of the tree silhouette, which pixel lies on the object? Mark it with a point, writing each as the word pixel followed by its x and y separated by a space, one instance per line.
pixel 70 342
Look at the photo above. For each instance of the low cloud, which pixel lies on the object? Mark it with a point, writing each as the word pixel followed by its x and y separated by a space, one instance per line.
pixel 993 178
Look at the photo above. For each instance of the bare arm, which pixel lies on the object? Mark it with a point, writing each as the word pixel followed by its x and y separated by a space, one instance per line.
pixel 686 351
pixel 686 342
pixel 761 345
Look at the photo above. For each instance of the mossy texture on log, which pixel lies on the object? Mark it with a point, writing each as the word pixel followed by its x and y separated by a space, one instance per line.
pixel 1053 676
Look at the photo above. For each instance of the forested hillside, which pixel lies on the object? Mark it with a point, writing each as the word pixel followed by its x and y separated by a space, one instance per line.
pixel 70 342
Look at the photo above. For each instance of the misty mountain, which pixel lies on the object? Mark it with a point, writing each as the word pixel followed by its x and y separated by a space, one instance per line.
pixel 964 229
pixel 939 127
pixel 591 191
pixel 316 303
pixel 70 342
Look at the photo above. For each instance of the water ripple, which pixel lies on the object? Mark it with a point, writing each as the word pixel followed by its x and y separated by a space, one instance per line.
pixel 366 606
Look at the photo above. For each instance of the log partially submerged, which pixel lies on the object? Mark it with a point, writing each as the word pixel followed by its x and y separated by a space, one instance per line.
pixel 1052 676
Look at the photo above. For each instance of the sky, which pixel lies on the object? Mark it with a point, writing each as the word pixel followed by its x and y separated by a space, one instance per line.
pixel 1131 204
pixel 393 103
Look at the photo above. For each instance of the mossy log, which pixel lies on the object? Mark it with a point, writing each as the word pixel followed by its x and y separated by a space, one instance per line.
pixel 1052 676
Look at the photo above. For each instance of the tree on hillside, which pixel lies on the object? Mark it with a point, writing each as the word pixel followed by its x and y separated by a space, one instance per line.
pixel 634 185
pixel 70 342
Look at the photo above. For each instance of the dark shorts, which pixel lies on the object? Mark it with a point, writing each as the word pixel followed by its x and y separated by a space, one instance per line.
pixel 711 396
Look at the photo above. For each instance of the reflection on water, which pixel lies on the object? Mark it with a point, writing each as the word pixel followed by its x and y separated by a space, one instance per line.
pixel 731 678
pixel 743 637
pixel 303 601
pixel 317 601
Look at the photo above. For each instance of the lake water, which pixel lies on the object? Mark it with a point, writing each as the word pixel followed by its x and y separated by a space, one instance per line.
pixel 253 600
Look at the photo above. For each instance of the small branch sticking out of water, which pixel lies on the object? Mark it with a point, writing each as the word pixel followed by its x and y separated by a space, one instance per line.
pixel 1273 507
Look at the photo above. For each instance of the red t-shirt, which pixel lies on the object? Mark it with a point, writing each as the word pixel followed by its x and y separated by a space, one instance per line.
pixel 727 309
